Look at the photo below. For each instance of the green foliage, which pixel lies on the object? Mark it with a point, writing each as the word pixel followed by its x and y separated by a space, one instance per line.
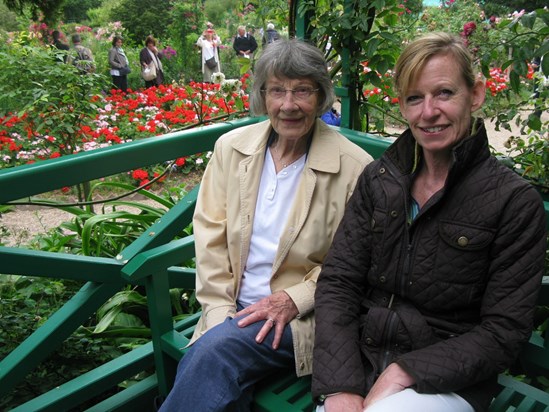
pixel 107 233
pixel 8 19
pixel 218 11
pixel 508 6
pixel 519 41
pixel 529 157
pixel 187 19
pixel 52 97
pixel 49 10
pixel 77 10
pixel 370 37
pixel 451 17
pixel 143 17
pixel 270 11
pixel 101 15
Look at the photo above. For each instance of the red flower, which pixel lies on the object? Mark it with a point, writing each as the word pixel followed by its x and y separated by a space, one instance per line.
pixel 145 183
pixel 140 174
pixel 180 162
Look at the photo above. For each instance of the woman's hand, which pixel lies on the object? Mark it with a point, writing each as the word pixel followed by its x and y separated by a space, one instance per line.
pixel 278 309
pixel 348 402
pixel 393 380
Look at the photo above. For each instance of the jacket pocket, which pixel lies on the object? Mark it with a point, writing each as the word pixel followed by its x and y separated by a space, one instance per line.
pixel 463 253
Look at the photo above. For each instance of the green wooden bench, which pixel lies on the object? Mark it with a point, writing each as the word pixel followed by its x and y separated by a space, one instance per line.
pixel 286 392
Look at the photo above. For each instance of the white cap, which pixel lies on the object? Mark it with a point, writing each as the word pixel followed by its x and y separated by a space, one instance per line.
pixel 270 26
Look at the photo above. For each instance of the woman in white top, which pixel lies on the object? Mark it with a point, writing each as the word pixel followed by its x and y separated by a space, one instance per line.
pixel 209 42
pixel 270 201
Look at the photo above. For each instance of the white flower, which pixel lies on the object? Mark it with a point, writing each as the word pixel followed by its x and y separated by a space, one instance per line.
pixel 199 161
pixel 218 77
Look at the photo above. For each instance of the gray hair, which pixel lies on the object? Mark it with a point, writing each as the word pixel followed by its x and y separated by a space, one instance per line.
pixel 293 59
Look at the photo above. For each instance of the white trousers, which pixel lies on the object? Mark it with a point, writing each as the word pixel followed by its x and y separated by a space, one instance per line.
pixel 409 400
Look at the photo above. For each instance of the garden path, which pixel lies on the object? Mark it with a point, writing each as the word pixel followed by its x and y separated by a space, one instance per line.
pixel 25 222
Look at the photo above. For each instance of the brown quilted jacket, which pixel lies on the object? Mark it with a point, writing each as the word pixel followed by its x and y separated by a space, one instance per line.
pixel 461 280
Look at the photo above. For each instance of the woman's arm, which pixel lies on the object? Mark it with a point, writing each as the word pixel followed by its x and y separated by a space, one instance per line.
pixel 340 290
pixel 215 283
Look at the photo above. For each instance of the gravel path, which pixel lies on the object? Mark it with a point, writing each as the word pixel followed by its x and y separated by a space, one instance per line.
pixel 17 228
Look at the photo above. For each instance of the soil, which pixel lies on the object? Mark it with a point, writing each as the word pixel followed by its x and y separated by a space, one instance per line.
pixel 17 228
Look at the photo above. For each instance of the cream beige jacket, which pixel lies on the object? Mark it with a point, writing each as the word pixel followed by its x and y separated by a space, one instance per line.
pixel 225 212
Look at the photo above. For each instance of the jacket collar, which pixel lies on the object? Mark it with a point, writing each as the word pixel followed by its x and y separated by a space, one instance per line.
pixel 323 154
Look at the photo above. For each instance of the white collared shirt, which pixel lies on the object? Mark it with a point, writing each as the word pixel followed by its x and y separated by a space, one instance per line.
pixel 274 201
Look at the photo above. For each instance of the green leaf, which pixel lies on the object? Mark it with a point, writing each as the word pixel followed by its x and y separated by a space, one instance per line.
pixel 107 319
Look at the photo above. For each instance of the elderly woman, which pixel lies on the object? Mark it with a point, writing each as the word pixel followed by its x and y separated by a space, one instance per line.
pixel 119 64
pixel 150 56
pixel 269 204
pixel 209 42
pixel 429 288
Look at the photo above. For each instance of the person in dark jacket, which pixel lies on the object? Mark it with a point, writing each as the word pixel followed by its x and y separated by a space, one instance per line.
pixel 150 56
pixel 429 288
pixel 59 45
pixel 270 35
pixel 244 43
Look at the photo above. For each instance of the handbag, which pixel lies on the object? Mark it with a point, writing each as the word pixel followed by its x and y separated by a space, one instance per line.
pixel 149 72
pixel 124 71
pixel 211 63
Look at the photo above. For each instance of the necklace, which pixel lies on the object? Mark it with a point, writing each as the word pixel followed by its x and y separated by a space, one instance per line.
pixel 291 160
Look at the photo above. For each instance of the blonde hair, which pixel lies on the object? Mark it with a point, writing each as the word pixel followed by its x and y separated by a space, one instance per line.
pixel 416 54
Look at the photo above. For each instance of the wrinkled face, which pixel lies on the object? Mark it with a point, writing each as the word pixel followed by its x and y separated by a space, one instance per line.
pixel 439 104
pixel 291 117
pixel 241 32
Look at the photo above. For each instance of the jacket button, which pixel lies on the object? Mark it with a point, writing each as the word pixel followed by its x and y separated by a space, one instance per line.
pixel 394 213
pixel 463 241
pixel 302 365
pixel 382 170
pixel 382 279
pixel 275 276
pixel 369 341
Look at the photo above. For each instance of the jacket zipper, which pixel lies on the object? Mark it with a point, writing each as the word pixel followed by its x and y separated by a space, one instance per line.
pixel 388 341
pixel 405 268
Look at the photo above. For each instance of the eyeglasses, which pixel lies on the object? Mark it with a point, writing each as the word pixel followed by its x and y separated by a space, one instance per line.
pixel 299 93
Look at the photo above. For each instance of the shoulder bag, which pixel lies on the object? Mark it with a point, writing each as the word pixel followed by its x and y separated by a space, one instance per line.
pixel 211 63
pixel 149 72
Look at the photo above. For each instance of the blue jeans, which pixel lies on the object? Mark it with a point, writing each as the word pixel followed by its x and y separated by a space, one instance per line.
pixel 219 371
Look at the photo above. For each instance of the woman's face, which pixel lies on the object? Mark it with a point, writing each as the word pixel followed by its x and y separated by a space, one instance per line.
pixel 291 117
pixel 118 43
pixel 438 104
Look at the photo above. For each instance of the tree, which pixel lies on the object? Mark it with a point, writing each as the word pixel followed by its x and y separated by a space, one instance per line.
pixel 49 10
pixel 517 5
pixel 8 21
pixel 143 17
pixel 77 10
